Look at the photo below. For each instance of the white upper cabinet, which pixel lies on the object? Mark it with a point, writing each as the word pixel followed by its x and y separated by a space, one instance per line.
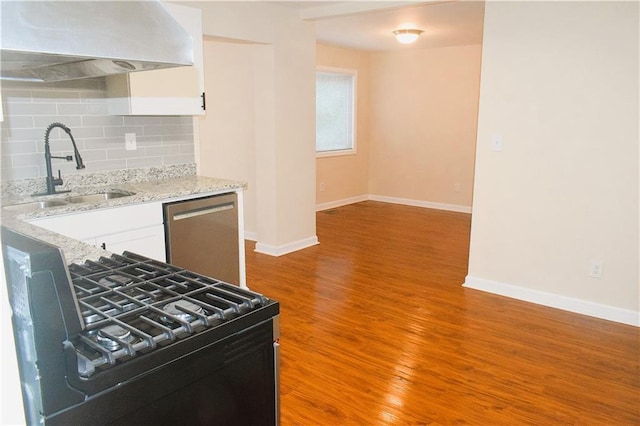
pixel 172 91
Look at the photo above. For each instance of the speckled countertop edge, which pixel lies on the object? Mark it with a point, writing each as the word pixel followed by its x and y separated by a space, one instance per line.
pixel 154 190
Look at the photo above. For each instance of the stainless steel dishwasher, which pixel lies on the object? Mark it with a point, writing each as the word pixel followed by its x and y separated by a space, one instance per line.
pixel 202 235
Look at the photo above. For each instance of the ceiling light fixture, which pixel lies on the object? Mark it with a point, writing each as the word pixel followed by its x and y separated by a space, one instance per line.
pixel 407 36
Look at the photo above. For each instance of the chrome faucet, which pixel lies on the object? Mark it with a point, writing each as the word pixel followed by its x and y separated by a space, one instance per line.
pixel 52 181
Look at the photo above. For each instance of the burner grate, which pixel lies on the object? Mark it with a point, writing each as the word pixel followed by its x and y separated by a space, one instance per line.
pixel 132 305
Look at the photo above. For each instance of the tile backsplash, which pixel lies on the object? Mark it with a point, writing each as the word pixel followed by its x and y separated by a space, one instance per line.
pixel 81 105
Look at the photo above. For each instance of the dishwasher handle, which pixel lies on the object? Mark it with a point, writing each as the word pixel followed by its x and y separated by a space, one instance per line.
pixel 201 211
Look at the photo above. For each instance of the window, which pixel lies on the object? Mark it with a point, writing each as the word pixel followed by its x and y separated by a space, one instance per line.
pixel 335 111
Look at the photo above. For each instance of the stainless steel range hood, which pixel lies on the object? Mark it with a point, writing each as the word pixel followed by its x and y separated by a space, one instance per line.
pixel 66 40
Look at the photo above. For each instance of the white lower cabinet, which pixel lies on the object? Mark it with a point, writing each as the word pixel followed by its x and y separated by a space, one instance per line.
pixel 138 229
pixel 147 241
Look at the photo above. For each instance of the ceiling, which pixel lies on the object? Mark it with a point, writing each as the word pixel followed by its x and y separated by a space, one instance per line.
pixel 368 25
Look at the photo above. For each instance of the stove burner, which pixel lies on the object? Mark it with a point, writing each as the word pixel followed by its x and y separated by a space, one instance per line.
pixel 173 308
pixel 107 336
pixel 115 280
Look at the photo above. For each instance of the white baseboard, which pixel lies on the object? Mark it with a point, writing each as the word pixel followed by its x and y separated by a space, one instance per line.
pixel 611 313
pixel 250 235
pixel 418 203
pixel 286 248
pixel 393 200
pixel 340 203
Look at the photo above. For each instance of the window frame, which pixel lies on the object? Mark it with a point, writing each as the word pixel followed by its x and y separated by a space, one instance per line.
pixel 354 93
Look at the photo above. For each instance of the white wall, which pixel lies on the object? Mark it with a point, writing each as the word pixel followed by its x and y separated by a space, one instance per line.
pixel 228 140
pixel 283 125
pixel 560 84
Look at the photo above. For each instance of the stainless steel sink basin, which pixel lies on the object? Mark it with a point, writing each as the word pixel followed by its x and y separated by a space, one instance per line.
pixel 36 205
pixel 75 199
pixel 101 196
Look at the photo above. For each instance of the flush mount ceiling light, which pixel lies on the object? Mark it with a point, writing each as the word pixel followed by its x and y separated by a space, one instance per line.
pixel 407 36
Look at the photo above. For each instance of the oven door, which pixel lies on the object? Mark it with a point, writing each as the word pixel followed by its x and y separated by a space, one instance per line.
pixel 229 382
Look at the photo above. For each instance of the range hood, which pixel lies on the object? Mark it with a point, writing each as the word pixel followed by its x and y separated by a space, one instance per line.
pixel 50 41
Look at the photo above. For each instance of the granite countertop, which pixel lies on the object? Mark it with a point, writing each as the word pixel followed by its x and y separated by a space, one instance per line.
pixel 148 191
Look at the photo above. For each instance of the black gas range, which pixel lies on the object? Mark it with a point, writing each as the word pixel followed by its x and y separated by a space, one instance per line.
pixel 126 339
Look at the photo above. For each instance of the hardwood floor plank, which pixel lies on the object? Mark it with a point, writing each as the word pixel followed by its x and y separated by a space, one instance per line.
pixel 376 329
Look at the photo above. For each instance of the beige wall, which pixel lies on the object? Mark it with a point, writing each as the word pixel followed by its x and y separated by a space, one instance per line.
pixel 275 148
pixel 417 117
pixel 346 176
pixel 560 83
pixel 423 124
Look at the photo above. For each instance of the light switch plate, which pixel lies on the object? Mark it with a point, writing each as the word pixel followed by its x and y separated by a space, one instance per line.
pixel 496 142
pixel 130 141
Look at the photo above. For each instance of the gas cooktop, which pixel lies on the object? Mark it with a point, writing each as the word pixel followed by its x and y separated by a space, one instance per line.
pixel 132 305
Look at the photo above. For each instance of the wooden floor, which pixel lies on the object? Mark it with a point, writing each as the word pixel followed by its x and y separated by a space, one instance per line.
pixel 377 330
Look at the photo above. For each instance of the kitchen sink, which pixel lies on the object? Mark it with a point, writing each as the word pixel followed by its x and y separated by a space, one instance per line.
pixel 101 196
pixel 74 199
pixel 36 205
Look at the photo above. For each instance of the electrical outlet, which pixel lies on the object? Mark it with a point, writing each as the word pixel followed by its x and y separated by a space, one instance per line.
pixel 456 187
pixel 322 187
pixel 130 141
pixel 595 268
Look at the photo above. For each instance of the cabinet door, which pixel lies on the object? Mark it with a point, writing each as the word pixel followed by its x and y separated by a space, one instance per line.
pixel 86 225
pixel 147 241
pixel 172 91
pixel 137 228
